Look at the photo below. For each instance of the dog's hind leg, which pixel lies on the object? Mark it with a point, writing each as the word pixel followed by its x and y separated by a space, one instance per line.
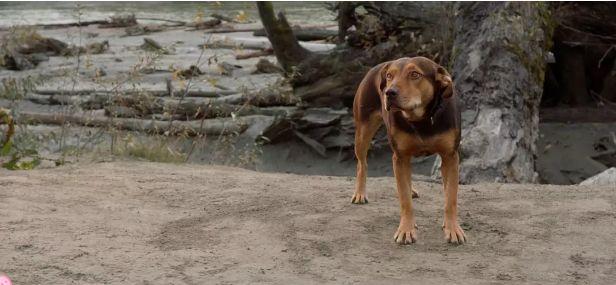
pixel 364 132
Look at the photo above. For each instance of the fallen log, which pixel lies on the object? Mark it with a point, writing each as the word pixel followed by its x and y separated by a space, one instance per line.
pixel 56 99
pixel 121 112
pixel 235 99
pixel 218 41
pixel 177 22
pixel 190 128
pixel 305 34
pixel 223 18
pixel 72 24
pixel 155 93
pixel 225 30
pixel 265 52
pixel 208 109
pixel 154 101
pixel 270 97
pixel 143 106
pixel 234 29
pixel 202 25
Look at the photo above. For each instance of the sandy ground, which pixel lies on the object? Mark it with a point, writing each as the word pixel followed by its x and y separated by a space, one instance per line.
pixel 148 223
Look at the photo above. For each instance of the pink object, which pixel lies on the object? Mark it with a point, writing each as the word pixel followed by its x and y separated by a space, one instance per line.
pixel 4 280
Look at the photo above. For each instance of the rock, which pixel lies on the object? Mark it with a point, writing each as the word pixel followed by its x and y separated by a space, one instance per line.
pixel 43 45
pixel 190 72
pixel 27 51
pixel 319 117
pixel 227 69
pixel 139 30
pixel 320 133
pixel 207 24
pixel 152 45
pixel 120 21
pixel 338 141
pixel 16 61
pixel 97 47
pixel 262 128
pixel 95 73
pixel 605 178
pixel 37 58
pixel 315 145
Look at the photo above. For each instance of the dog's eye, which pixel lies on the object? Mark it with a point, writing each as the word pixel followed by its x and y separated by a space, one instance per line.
pixel 389 76
pixel 415 75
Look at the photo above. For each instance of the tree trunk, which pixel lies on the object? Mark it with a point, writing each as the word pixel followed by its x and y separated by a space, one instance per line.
pixel 499 65
pixel 286 48
pixel 383 31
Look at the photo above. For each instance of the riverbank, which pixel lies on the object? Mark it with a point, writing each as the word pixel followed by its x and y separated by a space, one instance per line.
pixel 152 223
pixel 134 97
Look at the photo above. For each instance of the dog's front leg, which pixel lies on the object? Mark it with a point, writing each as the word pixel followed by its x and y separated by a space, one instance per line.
pixel 449 171
pixel 406 233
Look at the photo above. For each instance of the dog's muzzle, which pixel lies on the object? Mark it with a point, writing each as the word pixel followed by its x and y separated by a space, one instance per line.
pixel 390 98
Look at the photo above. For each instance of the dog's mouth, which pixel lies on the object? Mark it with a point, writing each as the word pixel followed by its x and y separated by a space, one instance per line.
pixel 389 105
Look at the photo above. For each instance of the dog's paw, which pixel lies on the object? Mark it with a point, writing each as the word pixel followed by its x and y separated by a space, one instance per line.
pixel 406 234
pixel 414 194
pixel 454 233
pixel 359 199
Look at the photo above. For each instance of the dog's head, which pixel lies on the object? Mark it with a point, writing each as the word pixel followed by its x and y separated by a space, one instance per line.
pixel 410 84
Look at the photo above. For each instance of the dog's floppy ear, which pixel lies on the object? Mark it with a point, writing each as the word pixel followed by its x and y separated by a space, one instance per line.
pixel 444 83
pixel 382 76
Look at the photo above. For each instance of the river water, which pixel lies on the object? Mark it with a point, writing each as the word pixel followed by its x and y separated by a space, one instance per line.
pixel 30 13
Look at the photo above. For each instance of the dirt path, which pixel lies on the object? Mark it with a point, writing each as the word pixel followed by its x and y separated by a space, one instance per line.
pixel 147 223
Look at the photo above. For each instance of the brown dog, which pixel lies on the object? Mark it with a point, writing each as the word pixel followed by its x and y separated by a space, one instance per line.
pixel 415 98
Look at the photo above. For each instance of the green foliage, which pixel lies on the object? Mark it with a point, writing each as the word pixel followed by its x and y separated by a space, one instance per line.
pixel 17 164
pixel 21 148
pixel 22 151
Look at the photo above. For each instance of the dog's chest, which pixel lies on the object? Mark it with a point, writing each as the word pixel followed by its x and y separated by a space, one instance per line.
pixel 412 144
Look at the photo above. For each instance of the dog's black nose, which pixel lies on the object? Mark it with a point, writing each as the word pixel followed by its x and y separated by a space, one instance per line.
pixel 391 93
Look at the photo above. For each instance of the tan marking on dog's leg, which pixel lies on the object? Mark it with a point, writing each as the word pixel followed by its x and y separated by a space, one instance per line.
pixel 449 171
pixel 364 132
pixel 406 233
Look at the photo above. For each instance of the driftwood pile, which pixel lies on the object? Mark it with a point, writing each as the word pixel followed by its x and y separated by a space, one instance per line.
pixel 271 114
